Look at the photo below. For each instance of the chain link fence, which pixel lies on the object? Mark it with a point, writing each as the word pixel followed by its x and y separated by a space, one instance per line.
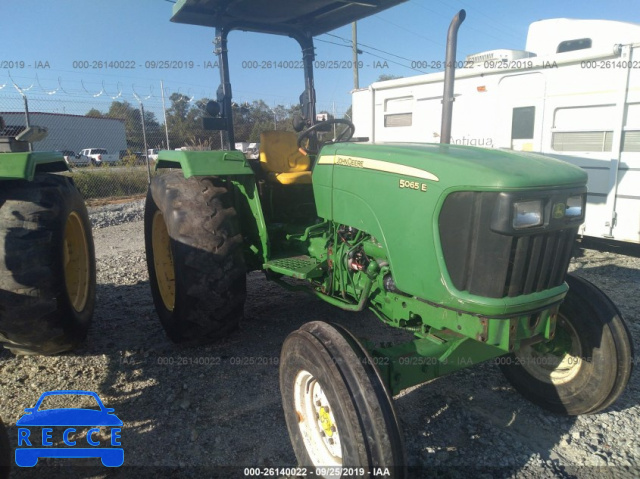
pixel 106 141
pixel 111 142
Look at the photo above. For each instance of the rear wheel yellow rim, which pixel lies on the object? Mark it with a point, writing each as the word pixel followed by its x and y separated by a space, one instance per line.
pixel 163 261
pixel 76 262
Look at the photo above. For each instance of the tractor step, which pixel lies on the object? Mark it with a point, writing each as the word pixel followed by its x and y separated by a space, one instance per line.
pixel 301 267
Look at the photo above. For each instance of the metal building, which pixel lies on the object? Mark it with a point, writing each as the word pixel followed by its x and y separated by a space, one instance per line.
pixel 73 132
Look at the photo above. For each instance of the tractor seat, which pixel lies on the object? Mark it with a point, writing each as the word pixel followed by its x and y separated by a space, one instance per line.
pixel 281 160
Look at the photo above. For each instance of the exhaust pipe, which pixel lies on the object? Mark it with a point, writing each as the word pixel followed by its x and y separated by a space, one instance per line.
pixel 449 77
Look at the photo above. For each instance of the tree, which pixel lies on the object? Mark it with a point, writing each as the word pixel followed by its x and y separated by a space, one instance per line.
pixel 184 121
pixel 181 128
pixel 94 113
pixel 179 106
pixel 123 110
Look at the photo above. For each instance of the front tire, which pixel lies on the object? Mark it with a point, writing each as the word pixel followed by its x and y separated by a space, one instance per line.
pixel 47 266
pixel 194 257
pixel 587 365
pixel 338 412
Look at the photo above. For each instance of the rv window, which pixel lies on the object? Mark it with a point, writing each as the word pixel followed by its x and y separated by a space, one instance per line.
pixel 572 45
pixel 582 141
pixel 400 119
pixel 631 141
pixel 522 123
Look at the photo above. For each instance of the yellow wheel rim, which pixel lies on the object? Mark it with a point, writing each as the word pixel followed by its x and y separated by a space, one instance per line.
pixel 163 261
pixel 76 262
pixel 555 369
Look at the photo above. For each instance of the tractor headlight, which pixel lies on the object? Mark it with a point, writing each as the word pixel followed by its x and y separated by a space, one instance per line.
pixel 575 206
pixel 527 214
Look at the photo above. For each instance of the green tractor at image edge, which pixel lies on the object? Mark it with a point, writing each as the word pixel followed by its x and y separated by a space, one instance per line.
pixel 466 248
pixel 47 260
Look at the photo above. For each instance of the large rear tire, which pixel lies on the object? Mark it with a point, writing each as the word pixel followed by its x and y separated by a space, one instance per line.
pixel 339 413
pixel 194 256
pixel 47 266
pixel 587 365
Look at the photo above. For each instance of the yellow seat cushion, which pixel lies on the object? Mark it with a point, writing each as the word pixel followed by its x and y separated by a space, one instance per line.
pixel 296 177
pixel 281 159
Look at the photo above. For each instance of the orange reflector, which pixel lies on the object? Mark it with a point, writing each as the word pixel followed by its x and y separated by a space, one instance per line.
pixel 482 88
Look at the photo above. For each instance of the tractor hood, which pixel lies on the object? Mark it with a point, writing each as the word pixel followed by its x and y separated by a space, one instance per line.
pixel 459 166
pixel 447 197
pixel 282 17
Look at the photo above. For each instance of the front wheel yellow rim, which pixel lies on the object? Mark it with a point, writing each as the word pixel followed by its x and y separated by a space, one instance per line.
pixel 76 262
pixel 163 261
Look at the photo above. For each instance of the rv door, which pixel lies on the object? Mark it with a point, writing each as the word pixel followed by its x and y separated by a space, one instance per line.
pixel 520 110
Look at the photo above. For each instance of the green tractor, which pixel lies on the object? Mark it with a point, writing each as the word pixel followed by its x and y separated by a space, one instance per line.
pixel 466 248
pixel 47 262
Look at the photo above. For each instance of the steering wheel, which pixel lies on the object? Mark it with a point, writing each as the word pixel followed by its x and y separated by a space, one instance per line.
pixel 345 135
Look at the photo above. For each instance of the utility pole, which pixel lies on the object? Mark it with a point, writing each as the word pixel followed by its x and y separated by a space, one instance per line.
pixel 164 113
pixel 354 41
pixel 334 115
pixel 144 140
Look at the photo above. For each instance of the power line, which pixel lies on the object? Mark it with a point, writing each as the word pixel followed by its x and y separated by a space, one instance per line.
pixel 378 17
pixel 374 55
pixel 332 43
pixel 470 27
pixel 494 21
pixel 368 46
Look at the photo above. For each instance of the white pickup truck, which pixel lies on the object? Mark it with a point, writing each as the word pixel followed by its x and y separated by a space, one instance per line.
pixel 96 157
pixel 152 154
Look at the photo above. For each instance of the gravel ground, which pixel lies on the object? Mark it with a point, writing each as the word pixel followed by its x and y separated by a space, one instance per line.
pixel 207 411
pixel 112 215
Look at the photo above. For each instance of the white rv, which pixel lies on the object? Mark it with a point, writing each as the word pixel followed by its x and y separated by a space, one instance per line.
pixel 573 94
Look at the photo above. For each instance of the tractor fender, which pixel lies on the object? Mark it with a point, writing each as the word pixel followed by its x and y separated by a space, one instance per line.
pixel 205 163
pixel 24 165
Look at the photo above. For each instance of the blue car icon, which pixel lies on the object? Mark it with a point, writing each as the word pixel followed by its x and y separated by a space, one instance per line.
pixel 32 446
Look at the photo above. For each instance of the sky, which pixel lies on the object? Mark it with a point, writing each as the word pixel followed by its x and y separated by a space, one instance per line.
pixel 53 49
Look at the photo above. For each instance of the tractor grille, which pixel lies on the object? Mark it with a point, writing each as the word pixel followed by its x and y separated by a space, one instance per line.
pixel 496 265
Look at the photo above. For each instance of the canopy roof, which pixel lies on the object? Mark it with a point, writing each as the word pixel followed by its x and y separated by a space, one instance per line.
pixel 283 17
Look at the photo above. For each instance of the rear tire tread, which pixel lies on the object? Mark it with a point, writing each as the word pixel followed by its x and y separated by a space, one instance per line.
pixel 206 247
pixel 36 316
